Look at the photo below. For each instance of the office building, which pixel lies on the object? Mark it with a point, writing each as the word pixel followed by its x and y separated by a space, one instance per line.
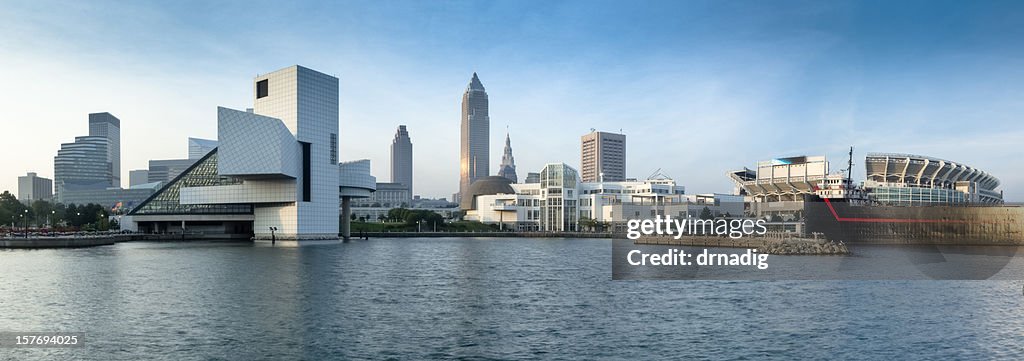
pixel 164 170
pixel 401 160
pixel 603 157
pixel 32 187
pixel 137 177
pixel 387 195
pixel 474 155
pixel 91 162
pixel 197 148
pixel 108 126
pixel 507 168
pixel 532 177
pixel 114 199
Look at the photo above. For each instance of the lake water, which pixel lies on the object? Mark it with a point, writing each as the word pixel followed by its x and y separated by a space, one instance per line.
pixel 474 299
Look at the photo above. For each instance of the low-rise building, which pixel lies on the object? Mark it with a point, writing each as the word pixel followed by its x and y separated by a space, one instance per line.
pixel 32 187
pixel 560 202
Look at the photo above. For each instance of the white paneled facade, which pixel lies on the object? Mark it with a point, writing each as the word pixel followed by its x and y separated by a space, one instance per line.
pixel 256 145
pixel 306 101
pixel 277 160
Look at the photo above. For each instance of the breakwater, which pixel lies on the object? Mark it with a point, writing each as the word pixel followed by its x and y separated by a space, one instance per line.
pixel 778 244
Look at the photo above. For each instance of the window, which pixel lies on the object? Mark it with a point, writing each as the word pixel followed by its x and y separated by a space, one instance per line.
pixel 334 149
pixel 306 181
pixel 262 88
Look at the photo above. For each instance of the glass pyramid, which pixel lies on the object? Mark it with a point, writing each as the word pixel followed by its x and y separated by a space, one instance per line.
pixel 201 174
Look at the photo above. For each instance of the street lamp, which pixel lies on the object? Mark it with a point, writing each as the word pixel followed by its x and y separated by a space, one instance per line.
pixel 25 216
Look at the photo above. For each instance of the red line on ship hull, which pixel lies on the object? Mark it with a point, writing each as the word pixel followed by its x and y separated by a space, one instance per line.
pixel 891 220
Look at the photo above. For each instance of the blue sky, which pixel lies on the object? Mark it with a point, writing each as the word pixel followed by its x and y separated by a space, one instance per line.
pixel 698 87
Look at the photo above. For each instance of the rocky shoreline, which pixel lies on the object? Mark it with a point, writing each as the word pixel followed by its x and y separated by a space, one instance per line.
pixel 804 247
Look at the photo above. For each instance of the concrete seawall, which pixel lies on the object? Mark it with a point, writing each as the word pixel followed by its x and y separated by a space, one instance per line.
pixel 38 241
pixel 59 242
pixel 371 235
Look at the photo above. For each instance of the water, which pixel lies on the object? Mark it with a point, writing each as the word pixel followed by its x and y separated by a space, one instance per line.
pixel 473 299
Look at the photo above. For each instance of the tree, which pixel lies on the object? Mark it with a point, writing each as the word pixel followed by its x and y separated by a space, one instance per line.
pixel 11 210
pixel 412 217
pixel 397 214
pixel 706 213
pixel 45 212
pixel 588 224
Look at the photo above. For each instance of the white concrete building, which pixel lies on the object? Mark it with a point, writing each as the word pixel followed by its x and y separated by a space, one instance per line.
pixel 275 171
pixel 32 187
pixel 560 202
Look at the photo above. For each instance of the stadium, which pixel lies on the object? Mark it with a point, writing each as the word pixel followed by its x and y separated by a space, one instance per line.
pixel 907 180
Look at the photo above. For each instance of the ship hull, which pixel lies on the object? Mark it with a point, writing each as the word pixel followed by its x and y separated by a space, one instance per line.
pixel 924 225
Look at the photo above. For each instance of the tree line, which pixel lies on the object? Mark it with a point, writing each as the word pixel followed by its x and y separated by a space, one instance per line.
pixel 41 213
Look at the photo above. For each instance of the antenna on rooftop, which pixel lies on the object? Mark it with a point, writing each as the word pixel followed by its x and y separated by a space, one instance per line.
pixel 849 168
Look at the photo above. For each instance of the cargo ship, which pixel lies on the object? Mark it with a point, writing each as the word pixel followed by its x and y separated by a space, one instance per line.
pixel 905 199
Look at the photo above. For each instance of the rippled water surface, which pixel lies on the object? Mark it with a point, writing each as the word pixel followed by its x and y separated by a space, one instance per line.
pixel 473 299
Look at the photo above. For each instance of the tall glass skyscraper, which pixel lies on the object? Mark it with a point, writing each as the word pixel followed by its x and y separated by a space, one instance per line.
pixel 108 126
pixel 476 130
pixel 401 159
pixel 92 162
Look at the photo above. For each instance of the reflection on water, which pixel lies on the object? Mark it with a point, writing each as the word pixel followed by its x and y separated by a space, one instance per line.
pixel 866 262
pixel 473 298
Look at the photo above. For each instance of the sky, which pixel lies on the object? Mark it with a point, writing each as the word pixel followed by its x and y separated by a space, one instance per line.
pixel 698 87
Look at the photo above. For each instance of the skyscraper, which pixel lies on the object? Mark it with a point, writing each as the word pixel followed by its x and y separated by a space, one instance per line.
pixel 603 157
pixel 476 129
pixel 401 159
pixel 507 168
pixel 108 126
pixel 91 162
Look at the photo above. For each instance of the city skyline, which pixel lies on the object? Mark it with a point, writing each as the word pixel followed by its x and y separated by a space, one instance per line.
pixel 718 86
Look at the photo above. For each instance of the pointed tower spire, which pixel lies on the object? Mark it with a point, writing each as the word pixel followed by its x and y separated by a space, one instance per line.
pixel 475 84
pixel 507 168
